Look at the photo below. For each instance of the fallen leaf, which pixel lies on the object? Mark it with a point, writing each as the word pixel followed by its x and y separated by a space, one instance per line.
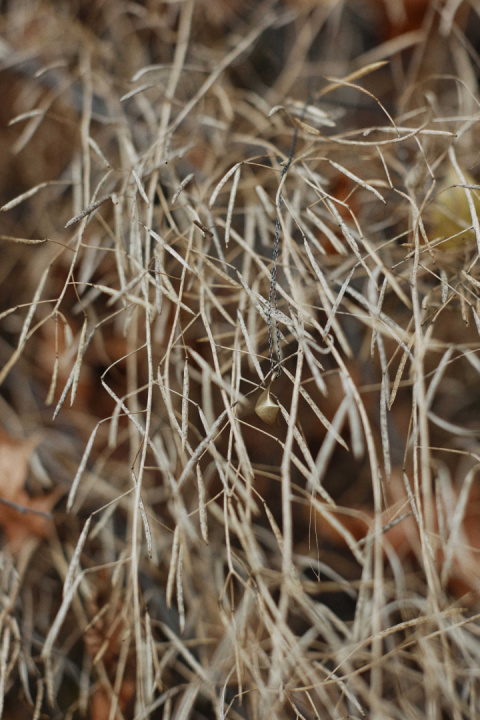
pixel 21 516
pixel 451 218
pixel 400 531
pixel 106 638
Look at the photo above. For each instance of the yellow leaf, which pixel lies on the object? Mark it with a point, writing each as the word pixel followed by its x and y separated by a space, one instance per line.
pixel 451 220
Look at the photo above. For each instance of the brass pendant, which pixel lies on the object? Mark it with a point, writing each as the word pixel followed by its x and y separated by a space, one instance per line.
pixel 267 407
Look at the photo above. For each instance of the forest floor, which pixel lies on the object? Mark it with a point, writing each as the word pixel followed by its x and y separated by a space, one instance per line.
pixel 239 359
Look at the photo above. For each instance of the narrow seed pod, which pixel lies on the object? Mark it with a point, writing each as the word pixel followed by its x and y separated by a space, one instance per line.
pixel 267 407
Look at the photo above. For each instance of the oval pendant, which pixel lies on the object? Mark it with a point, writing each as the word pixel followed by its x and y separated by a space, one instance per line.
pixel 267 408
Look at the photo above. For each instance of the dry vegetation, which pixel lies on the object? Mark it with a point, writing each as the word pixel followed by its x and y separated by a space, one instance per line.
pixel 166 553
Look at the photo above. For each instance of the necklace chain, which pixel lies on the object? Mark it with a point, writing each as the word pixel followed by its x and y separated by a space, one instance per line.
pixel 273 326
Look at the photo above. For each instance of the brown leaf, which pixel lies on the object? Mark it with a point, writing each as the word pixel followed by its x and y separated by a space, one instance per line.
pixel 21 516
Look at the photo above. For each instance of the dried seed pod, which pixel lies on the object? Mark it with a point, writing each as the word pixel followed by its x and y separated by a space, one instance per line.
pixel 267 407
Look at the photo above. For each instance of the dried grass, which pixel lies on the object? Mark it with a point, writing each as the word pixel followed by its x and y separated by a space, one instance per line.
pixel 202 563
